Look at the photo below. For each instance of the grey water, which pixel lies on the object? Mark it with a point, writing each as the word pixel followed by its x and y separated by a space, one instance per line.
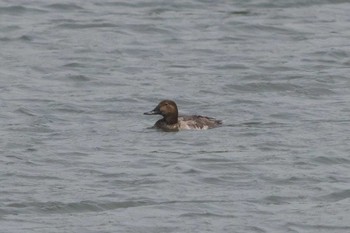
pixel 78 155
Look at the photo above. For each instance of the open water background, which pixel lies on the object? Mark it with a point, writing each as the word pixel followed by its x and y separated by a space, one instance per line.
pixel 76 154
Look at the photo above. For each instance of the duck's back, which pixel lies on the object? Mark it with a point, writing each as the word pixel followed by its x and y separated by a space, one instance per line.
pixel 198 122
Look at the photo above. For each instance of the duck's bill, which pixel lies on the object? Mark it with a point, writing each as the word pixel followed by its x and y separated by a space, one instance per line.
pixel 153 112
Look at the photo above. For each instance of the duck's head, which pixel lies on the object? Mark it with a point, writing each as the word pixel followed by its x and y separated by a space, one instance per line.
pixel 166 108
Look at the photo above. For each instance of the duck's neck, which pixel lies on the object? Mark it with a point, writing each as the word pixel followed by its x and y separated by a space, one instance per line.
pixel 170 120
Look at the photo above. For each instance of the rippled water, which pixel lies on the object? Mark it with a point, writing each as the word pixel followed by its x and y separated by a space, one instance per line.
pixel 77 155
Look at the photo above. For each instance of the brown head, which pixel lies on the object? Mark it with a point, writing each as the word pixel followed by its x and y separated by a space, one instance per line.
pixel 168 109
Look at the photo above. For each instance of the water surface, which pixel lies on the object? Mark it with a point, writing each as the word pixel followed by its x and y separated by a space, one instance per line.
pixel 77 155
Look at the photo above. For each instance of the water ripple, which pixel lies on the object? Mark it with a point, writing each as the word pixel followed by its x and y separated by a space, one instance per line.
pixel 20 10
pixel 337 196
pixel 64 6
pixel 73 207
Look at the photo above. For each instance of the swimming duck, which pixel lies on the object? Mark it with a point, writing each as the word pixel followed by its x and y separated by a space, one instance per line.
pixel 171 121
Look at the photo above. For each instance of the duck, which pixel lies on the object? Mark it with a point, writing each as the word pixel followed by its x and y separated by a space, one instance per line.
pixel 171 120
